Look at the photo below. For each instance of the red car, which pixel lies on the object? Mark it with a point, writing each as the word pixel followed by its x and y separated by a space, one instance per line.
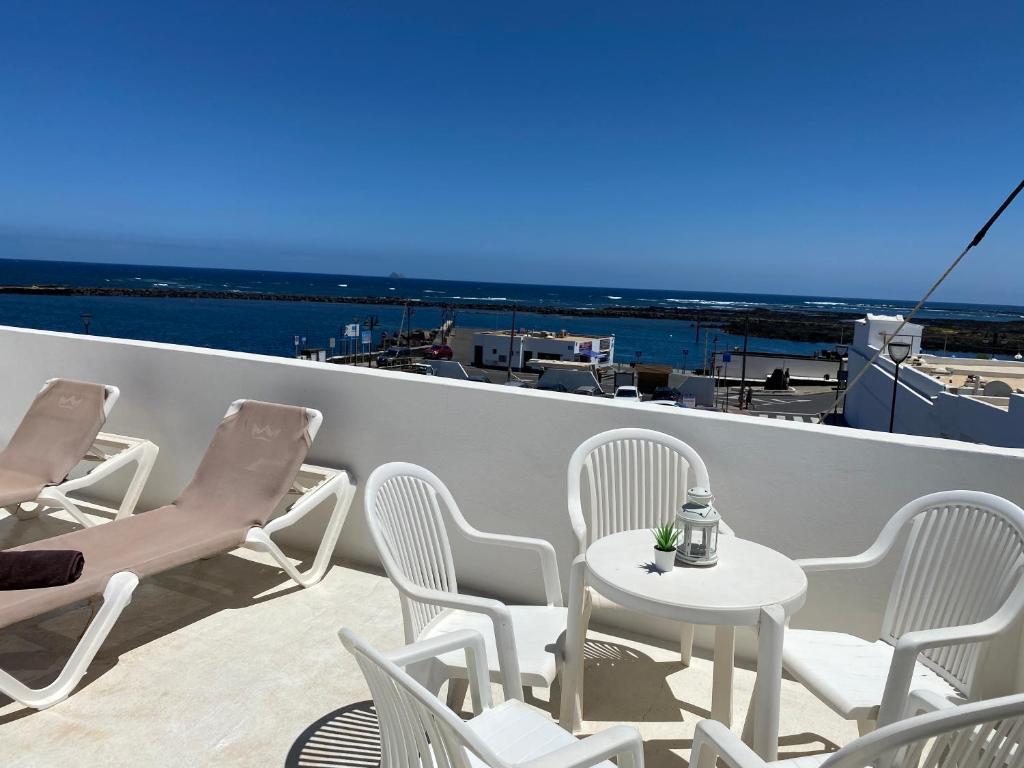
pixel 438 352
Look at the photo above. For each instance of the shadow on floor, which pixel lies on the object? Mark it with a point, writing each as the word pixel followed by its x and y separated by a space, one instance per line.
pixel 346 738
pixel 622 684
pixel 35 650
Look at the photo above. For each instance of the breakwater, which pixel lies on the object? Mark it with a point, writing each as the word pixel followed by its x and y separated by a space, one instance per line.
pixel 811 325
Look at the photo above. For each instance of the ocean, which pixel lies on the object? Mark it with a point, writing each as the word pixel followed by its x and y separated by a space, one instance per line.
pixel 269 327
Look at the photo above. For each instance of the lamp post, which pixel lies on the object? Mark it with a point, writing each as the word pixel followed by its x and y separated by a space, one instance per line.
pixel 898 352
pixel 86 320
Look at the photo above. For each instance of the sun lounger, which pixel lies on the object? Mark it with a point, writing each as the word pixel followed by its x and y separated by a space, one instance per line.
pixel 255 458
pixel 60 431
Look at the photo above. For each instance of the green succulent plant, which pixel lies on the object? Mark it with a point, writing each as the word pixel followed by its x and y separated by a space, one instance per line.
pixel 666 537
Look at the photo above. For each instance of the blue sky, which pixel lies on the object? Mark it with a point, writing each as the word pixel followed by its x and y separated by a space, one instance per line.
pixel 842 149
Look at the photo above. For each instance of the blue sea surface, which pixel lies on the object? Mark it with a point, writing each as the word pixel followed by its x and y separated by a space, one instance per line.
pixel 269 327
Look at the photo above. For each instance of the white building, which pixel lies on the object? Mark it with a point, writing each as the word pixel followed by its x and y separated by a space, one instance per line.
pixel 491 348
pixel 976 400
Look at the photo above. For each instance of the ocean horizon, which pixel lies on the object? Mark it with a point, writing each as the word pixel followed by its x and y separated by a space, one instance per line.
pixel 269 327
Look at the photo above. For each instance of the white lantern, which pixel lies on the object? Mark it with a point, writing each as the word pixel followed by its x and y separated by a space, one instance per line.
pixel 698 520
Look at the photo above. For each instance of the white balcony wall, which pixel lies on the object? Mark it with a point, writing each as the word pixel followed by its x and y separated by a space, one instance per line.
pixel 804 489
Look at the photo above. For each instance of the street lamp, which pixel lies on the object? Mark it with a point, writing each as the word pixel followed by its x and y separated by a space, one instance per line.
pixel 898 352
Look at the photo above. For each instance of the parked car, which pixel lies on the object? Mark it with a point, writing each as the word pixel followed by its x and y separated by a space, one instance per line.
pixel 438 352
pixel 627 394
pixel 390 355
pixel 665 393
pixel 590 390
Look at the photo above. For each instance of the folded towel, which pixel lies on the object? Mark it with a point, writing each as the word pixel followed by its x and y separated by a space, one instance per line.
pixel 35 568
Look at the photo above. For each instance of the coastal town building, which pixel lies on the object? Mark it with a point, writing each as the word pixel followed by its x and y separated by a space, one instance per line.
pixel 491 349
pixel 979 400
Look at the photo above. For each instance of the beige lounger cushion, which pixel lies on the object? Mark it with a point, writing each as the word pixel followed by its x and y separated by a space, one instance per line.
pixel 55 434
pixel 246 472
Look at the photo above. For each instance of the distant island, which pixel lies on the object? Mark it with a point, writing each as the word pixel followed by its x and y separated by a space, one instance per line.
pixel 817 326
pixel 397 275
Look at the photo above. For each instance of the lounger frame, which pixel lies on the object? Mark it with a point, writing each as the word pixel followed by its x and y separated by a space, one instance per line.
pixel 109 453
pixel 117 594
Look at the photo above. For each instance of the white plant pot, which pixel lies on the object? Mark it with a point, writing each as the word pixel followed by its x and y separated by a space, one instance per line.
pixel 665 561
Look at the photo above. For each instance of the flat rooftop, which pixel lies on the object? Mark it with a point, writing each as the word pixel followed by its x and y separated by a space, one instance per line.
pixel 226 662
pixel 955 372
pixel 544 335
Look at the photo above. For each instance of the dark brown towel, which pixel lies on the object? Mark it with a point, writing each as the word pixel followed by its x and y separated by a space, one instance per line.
pixel 40 568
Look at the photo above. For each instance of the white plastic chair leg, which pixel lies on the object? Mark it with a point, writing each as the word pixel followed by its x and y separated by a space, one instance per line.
pixel 53 497
pixel 570 713
pixel 144 456
pixel 457 690
pixel 259 540
pixel 116 596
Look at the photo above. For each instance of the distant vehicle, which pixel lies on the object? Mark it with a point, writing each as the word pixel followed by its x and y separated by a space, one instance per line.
pixel 589 390
pixel 515 383
pixel 665 393
pixel 669 403
pixel 627 394
pixel 389 356
pixel 439 352
pixel 421 368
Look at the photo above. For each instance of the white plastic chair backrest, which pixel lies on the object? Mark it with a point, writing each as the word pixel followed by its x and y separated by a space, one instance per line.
pixel 416 729
pixel 963 557
pixel 408 528
pixel 630 478
pixel 986 734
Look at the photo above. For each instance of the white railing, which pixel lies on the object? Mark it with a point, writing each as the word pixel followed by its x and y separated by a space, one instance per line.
pixel 806 490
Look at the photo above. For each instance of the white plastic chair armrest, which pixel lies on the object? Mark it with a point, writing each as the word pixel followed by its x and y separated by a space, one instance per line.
pixel 468 640
pixel 887 537
pixel 305 504
pixel 904 657
pixel 543 549
pixel 501 619
pixel 621 742
pixel 715 736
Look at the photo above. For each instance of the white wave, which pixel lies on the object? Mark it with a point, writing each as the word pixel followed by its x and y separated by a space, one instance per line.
pixel 391 289
pixel 614 298
pixel 160 285
pixel 343 285
pixel 827 303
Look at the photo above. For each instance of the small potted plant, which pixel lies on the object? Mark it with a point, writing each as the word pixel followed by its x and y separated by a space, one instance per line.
pixel 665 539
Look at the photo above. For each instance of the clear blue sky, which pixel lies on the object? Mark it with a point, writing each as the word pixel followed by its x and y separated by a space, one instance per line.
pixel 830 148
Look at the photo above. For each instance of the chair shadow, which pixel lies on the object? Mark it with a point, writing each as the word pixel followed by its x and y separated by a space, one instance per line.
pixel 622 684
pixel 345 738
pixel 35 650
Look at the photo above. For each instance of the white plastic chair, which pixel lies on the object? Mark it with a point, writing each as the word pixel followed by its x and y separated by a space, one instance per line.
pixel 406 507
pixel 631 478
pixel 985 734
pixel 958 584
pixel 417 731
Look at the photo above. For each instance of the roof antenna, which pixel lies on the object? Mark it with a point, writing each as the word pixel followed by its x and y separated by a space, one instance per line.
pixel 841 396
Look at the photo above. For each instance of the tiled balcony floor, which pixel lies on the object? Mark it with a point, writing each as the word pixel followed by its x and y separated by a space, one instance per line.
pixel 227 663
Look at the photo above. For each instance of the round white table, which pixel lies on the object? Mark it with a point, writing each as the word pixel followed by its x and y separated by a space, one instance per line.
pixel 750 586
